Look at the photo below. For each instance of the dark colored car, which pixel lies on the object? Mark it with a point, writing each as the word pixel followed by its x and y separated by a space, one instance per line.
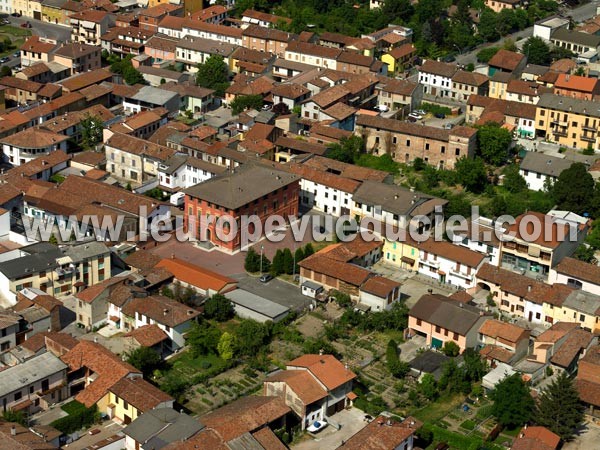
pixel 440 115
pixel 265 278
pixel 16 14
pixel 26 25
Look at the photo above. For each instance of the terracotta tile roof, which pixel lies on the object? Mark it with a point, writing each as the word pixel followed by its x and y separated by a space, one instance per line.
pixel 470 78
pixel 413 129
pixel 137 146
pixel 259 86
pixel 313 49
pixel 565 65
pixel 34 138
pixel 90 158
pixel 494 352
pixel 86 79
pixel 163 43
pixel 507 332
pixel 148 335
pixel 268 34
pixel 536 438
pixel 160 10
pixel 36 342
pixel 268 439
pixel 142 395
pixel 23 438
pixel 557 331
pixel 461 296
pixel 382 433
pixel 265 17
pixel 452 252
pixel 142 259
pixel 506 60
pixel 246 414
pixel 302 383
pixel 576 83
pixel 549 238
pixel 379 286
pixel 439 310
pixel 90 15
pixel 90 294
pixel 577 341
pixel 442 69
pixel 18 83
pixel 162 310
pixel 326 179
pixel 36 44
pixel 579 269
pixel 107 366
pixel 339 111
pixel 325 368
pixel 290 90
pixel 210 12
pixel 589 392
pixel 322 264
pixel 76 50
pixel 196 276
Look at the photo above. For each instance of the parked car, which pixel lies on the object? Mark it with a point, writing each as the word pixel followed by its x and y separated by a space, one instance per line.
pixel 16 14
pixel 422 112
pixel 26 25
pixel 414 115
pixel 381 108
pixel 440 115
pixel 16 54
pixel 448 126
pixel 316 426
pixel 4 22
pixel 265 278
pixel 5 59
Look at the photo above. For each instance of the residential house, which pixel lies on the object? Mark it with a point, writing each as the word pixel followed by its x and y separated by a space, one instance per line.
pixel 313 386
pixel 577 274
pixel 37 437
pixel 182 171
pixel 161 49
pixel 78 57
pixel 252 17
pixel 523 91
pixel 89 25
pixel 312 54
pixel 289 94
pixel 440 320
pixel 213 14
pixel 130 398
pixel 9 328
pixel 221 33
pixel 384 432
pixel 400 58
pixel 406 141
pixel 33 385
pixel 150 97
pixel 164 425
pixel 562 346
pixel 568 121
pixel 133 159
pixel 37 49
pixel 436 77
pixel 449 263
pixel 352 62
pixel 581 307
pixel 126 41
pixel 193 50
pixel 142 124
pixel 268 40
pixel 520 116
pixel 499 5
pixel 503 342
pixel 193 98
pixel 237 193
pixel 465 84
pixel 399 94
pixel 203 281
pixel 379 294
pixel 92 371
pixel 172 317
pixel 541 171
pixel 536 437
pixel 506 61
pixel 587 382
pixel 91 305
pixel 583 88
pixel 55 270
pixel 533 251
pixel 151 17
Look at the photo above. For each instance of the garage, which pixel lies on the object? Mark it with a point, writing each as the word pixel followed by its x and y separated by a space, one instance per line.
pixel 251 306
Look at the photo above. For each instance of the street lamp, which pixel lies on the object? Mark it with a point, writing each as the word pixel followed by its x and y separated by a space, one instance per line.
pixel 457 48
pixel 262 247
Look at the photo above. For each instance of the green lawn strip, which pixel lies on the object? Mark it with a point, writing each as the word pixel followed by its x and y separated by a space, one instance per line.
pixel 438 409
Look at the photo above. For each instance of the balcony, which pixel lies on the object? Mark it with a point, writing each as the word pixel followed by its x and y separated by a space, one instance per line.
pixel 587 127
pixel 559 122
pixel 434 264
pixel 559 133
pixel 462 275
pixel 587 138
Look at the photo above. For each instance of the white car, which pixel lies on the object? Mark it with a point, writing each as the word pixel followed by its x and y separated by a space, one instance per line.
pixel 317 426
pixel 414 115
pixel 381 108
pixel 422 112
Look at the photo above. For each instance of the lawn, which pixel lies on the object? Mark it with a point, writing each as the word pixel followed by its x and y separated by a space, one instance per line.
pixel 17 36
pixel 73 407
pixel 14 31
pixel 468 425
pixel 438 409
pixel 188 366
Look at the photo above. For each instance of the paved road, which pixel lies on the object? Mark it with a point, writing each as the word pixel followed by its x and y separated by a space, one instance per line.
pixel 58 32
pixel 277 291
pixel 578 14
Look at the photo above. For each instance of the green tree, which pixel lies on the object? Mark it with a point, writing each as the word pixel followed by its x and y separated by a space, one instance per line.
pixel 6 71
pixel 488 26
pixel 91 131
pixel 213 74
pixel 52 239
pixel 513 404
pixel 493 143
pixel 484 55
pixel 513 181
pixel 474 366
pixel 252 261
pixel 244 102
pixel 144 359
pixel 537 51
pixel 308 250
pixel 218 307
pixel 251 337
pixel 347 150
pixel 450 348
pixel 397 368
pixel 574 189
pixel 133 76
pixel 277 266
pixel 226 346
pixel 15 417
pixel 288 261
pixel 471 174
pixel 203 339
pixel 299 256
pixel 428 387
pixel 559 408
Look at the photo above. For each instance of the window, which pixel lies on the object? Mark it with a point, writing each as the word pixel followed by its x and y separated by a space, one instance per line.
pixel 18 396
pixel 455 337
pixel 437 329
pixel 419 321
pixel 125 405
pixel 457 152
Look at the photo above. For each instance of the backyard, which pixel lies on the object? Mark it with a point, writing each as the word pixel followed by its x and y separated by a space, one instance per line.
pixel 15 35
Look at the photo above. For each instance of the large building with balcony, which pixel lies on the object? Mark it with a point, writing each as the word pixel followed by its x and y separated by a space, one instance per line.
pixel 31 143
pixel 571 122
pixel 88 26
pixel 537 242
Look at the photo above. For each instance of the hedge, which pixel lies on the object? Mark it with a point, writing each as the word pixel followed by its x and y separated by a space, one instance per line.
pixel 78 419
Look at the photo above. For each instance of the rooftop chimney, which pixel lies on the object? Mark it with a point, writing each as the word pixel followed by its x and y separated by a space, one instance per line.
pixel 165 311
pixel 528 288
pixel 321 352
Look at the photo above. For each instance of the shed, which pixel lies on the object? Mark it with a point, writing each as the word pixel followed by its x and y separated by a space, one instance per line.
pixel 251 306
pixel 496 375
pixel 311 289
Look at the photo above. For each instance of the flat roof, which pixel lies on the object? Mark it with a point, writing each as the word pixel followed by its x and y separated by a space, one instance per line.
pixel 32 370
pixel 257 303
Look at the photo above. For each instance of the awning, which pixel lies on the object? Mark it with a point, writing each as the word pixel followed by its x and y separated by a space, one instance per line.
pixel 64 260
pixel 441 272
pixel 79 284
pixel 351 396
pixel 407 260
pixel 362 307
pixel 21 406
pixel 114 318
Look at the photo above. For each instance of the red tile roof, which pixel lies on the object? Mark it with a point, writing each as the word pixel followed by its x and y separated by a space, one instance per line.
pixel 382 433
pixel 196 276
pixel 302 383
pixel 148 335
pixel 142 395
pixel 536 438
pixel 325 368
pixel 506 60
pixel 162 310
pixel 502 330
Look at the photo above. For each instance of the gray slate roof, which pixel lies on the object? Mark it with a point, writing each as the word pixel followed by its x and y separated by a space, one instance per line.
pixel 560 103
pixel 162 426
pixel 256 303
pixel 545 164
pixel 248 183
pixel 154 95
pixel 32 370
pixel 439 310
pixel 584 302
pixel 577 37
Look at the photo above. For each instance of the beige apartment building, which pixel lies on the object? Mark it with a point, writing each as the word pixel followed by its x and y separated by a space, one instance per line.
pixel 571 122
pixel 406 141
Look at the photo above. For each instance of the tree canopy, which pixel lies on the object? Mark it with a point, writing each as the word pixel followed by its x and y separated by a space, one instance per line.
pixel 471 174
pixel 218 307
pixel 513 404
pixel 213 74
pixel 347 150
pixel 537 51
pixel 559 408
pixel 244 102
pixel 493 143
pixel 144 359
pixel 91 131
pixel 574 189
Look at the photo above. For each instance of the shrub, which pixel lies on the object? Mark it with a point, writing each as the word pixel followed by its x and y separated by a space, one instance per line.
pixel 79 417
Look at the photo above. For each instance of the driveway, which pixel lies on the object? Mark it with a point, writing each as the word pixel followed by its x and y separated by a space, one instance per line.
pixel 409 349
pixel 276 290
pixel 588 439
pixel 351 420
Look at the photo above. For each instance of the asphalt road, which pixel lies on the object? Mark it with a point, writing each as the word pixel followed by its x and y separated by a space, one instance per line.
pixel 58 32
pixel 578 14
